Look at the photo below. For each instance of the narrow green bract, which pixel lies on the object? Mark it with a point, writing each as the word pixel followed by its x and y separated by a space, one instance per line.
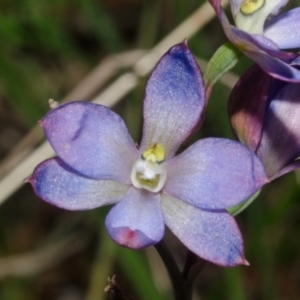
pixel 224 59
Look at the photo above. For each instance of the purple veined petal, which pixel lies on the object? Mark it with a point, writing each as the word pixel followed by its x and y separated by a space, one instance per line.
pixel 296 62
pixel 259 48
pixel 91 139
pixel 287 169
pixel 174 100
pixel 212 235
pixel 275 67
pixel 266 54
pixel 247 105
pixel 216 4
pixel 215 173
pixel 136 221
pixel 247 42
pixel 284 29
pixel 227 27
pixel 58 184
pixel 280 141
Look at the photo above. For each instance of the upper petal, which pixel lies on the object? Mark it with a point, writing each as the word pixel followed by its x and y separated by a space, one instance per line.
pixel 284 29
pixel 247 42
pixel 216 4
pixel 136 221
pixel 214 174
pixel 174 100
pixel 91 139
pixel 58 184
pixel 213 236
pixel 280 141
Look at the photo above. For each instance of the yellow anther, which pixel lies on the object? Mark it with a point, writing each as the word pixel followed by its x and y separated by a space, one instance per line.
pixel 155 154
pixel 249 7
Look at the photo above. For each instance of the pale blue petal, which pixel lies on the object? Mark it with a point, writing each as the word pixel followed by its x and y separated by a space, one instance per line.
pixel 214 236
pixel 215 173
pixel 58 184
pixel 289 168
pixel 284 29
pixel 91 139
pixel 280 141
pixel 275 67
pixel 174 100
pixel 248 43
pixel 259 48
pixel 136 221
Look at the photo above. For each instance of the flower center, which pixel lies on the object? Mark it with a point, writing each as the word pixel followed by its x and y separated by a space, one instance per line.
pixel 149 171
pixel 253 13
pixel 249 7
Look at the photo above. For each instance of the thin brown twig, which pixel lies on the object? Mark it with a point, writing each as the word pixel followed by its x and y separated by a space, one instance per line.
pixel 40 260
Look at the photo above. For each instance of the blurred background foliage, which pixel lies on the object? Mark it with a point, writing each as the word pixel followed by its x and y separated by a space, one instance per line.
pixel 47 48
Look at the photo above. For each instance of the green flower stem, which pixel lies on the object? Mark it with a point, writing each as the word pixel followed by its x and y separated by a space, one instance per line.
pixel 193 267
pixel 179 284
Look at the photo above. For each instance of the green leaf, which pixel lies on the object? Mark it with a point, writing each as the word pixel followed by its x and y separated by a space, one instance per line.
pixel 224 59
pixel 234 210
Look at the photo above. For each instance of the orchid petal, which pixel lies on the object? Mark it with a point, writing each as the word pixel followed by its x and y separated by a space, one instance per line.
pixel 275 67
pixel 174 100
pixel 136 221
pixel 215 174
pixel 58 184
pixel 247 105
pixel 289 168
pixel 214 236
pixel 247 42
pixel 262 50
pixel 91 139
pixel 257 43
pixel 284 29
pixel 280 141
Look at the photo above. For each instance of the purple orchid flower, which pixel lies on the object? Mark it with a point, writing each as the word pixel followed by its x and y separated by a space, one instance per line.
pixel 260 35
pixel 265 115
pixel 98 164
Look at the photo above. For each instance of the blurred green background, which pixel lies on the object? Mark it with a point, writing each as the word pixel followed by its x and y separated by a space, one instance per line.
pixel 47 48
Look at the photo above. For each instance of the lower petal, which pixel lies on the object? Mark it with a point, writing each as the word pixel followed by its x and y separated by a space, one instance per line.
pixel 215 173
pixel 214 236
pixel 57 184
pixel 280 141
pixel 136 221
